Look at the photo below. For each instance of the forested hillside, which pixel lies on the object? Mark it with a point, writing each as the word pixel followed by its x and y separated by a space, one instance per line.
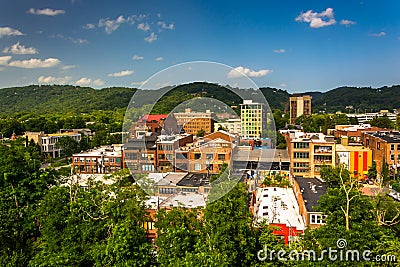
pixel 47 99
pixel 62 99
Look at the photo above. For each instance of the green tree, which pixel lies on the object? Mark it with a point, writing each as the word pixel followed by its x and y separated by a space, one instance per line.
pixel 98 226
pixel 372 172
pixel 200 133
pixel 382 122
pixel 68 146
pixel 22 186
pixel 179 232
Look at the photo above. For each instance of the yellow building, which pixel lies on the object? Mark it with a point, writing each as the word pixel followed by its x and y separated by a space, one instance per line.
pixel 357 159
pixel 309 152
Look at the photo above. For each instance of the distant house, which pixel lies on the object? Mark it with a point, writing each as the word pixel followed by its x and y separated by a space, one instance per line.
pixel 47 142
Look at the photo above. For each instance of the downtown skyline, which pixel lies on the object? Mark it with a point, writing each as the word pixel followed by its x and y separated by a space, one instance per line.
pixel 293 45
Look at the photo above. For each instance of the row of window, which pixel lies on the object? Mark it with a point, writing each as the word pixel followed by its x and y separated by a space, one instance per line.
pixel 94 160
pixel 301 155
pixel 301 145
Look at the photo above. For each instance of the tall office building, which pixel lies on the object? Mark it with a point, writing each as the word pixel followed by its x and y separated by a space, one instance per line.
pixel 253 118
pixel 299 105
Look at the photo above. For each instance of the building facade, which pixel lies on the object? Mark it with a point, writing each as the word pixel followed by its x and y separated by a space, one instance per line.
pixel 309 152
pixel 107 159
pixel 356 158
pixel 299 105
pixel 233 126
pixel 192 122
pixel 47 142
pixel 385 148
pixel 253 119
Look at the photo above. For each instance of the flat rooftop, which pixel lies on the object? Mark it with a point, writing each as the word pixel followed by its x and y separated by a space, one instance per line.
pixel 312 189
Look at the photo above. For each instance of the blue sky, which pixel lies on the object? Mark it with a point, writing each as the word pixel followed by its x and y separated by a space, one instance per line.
pixel 296 45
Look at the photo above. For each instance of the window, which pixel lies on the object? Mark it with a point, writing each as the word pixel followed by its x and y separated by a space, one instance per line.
pixel 398 146
pixel 221 156
pixel 147 167
pixel 301 155
pixel 168 147
pixel 168 156
pixel 192 190
pixel 197 156
pixel 197 167
pixel 76 159
pixel 209 156
pixel 87 160
pixel 133 166
pixel 161 156
pixel 301 145
pixel 93 160
pixel 317 219
pixel 148 225
pixel 112 160
pixel 160 147
pixel 378 145
pixel 391 146
pixel 82 159
pixel 391 157
pixel 167 190
pixel 118 160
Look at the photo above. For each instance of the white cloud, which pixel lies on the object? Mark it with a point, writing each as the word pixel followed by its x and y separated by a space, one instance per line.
pixel 54 80
pixel 317 20
pixel 136 57
pixel 121 73
pixel 143 26
pixel 98 82
pixel 18 49
pixel 71 39
pixel 159 59
pixel 283 85
pixel 7 31
pixel 279 51
pixel 347 22
pixel 34 63
pixel 83 81
pixel 89 26
pixel 46 11
pixel 239 71
pixel 67 67
pixel 378 34
pixel 166 26
pixel 4 60
pixel 151 38
pixel 111 25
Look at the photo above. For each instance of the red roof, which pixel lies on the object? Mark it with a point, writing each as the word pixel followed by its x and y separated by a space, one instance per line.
pixel 153 117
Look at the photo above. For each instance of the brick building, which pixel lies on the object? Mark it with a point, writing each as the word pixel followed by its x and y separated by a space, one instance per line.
pixel 103 160
pixel 385 146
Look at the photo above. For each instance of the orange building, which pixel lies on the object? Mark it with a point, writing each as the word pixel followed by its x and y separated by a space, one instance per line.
pixel 193 122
